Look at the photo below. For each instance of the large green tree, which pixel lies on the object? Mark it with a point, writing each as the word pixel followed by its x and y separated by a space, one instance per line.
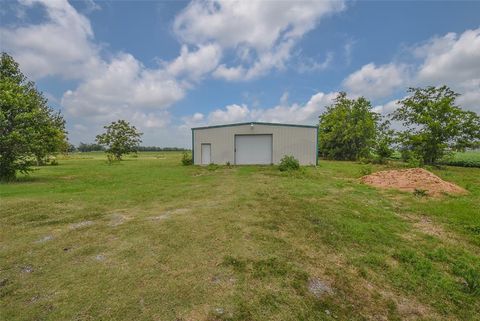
pixel 29 128
pixel 347 129
pixel 434 124
pixel 120 138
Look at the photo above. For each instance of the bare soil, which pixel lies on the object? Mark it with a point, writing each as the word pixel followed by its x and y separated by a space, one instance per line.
pixel 412 179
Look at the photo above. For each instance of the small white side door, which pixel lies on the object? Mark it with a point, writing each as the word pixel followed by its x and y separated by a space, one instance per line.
pixel 206 154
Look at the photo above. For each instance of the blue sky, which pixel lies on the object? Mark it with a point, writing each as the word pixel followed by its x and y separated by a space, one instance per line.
pixel 168 66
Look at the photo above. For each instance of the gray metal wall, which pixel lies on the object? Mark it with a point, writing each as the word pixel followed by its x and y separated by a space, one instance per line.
pixel 301 142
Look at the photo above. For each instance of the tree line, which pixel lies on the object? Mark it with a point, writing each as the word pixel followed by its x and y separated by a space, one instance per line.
pixel 432 126
pixel 94 147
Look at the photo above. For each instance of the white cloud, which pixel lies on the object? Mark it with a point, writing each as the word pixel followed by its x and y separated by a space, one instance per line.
pixel 259 24
pixel 374 81
pixel 91 6
pixel 275 58
pixel 62 45
pixel 387 108
pixel 230 73
pixel 282 113
pixel 470 98
pixel 452 60
pixel 295 113
pixel 310 65
pixel 194 65
pixel 123 84
pixel 231 114
pixel 260 31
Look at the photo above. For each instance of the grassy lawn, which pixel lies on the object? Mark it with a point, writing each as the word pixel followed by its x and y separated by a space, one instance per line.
pixel 149 239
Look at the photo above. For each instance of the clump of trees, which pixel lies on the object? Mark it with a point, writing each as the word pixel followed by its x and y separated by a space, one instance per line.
pixel 30 130
pixel 433 127
pixel 120 138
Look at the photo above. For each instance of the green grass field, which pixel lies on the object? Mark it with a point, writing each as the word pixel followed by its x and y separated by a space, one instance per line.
pixel 149 239
pixel 466 159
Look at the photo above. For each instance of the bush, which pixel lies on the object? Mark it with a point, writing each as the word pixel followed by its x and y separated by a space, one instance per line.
pixel 366 170
pixel 53 161
pixel 414 162
pixel 288 163
pixel 187 159
pixel 411 158
pixel 212 167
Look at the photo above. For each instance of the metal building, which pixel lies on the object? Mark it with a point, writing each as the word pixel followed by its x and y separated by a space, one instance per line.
pixel 254 143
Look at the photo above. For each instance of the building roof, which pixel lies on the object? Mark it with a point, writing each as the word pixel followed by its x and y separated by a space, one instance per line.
pixel 255 123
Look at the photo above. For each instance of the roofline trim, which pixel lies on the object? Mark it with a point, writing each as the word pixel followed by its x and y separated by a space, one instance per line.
pixel 255 123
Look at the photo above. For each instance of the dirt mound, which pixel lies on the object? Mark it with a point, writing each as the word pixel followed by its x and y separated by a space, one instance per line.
pixel 412 179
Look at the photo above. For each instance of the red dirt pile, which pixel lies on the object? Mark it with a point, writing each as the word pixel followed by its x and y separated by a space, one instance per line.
pixel 412 179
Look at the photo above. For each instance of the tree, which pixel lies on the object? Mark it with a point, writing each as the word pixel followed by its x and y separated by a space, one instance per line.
pixel 120 138
pixel 384 141
pixel 347 129
pixel 29 128
pixel 434 125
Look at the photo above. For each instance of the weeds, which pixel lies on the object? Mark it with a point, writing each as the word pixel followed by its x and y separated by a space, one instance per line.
pixel 418 192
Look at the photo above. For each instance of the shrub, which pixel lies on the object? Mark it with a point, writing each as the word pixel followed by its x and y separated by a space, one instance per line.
pixel 187 159
pixel 366 170
pixel 288 163
pixel 412 159
pixel 53 161
pixel 212 167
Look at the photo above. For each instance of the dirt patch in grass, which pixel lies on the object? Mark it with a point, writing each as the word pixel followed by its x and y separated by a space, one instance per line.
pixel 168 214
pixel 118 219
pixel 427 226
pixel 318 288
pixel 44 239
pixel 412 180
pixel 409 308
pixel 81 225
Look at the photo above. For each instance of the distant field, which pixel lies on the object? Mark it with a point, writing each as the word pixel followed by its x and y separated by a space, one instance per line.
pixel 149 239
pixel 466 159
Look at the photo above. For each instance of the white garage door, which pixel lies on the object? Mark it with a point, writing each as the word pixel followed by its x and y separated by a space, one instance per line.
pixel 253 149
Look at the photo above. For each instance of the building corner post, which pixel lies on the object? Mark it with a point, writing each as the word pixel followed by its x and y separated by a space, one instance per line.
pixel 193 149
